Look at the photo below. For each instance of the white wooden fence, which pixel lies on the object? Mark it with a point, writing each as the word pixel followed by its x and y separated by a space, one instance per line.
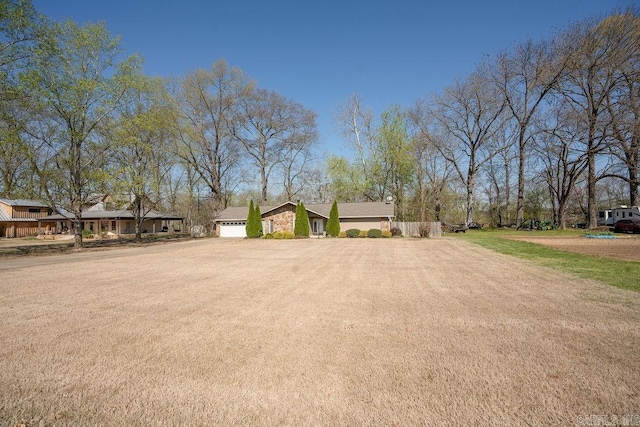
pixel 412 229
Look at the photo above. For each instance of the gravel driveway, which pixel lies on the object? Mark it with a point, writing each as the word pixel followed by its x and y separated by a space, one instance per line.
pixel 312 332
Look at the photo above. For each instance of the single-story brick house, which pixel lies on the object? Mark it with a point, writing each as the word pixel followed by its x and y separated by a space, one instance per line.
pixel 22 218
pixel 364 216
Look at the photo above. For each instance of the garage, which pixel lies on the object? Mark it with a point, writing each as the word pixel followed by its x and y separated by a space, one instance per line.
pixel 233 229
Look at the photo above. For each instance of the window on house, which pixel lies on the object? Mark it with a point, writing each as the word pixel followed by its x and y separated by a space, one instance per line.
pixel 113 226
pixel 34 210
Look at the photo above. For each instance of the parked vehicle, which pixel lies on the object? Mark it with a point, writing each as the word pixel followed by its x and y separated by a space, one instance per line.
pixel 627 226
pixel 616 214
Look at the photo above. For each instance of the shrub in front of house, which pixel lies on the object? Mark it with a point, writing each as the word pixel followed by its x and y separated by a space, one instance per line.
pixel 301 227
pixel 374 233
pixel 352 232
pixel 395 231
pixel 363 233
pixel 386 234
pixel 288 235
pixel 253 228
pixel 342 234
pixel 268 236
pixel 87 234
pixel 333 225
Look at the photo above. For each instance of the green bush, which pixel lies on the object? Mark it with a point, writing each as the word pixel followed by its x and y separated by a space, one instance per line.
pixel 280 235
pixel 352 232
pixel 333 225
pixel 363 233
pixel 342 234
pixel 374 233
pixel 87 234
pixel 386 234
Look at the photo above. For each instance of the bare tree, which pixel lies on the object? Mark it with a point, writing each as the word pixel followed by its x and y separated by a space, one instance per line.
pixel 467 117
pixel 524 77
pixel 270 127
pixel 623 105
pixel 596 51
pixel 208 103
pixel 562 157
pixel 296 165
pixel 355 124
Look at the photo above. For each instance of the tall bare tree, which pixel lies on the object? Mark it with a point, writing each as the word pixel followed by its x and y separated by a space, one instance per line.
pixel 270 126
pixel 466 119
pixel 623 105
pixel 596 51
pixel 355 123
pixel 208 102
pixel 524 77
pixel 562 157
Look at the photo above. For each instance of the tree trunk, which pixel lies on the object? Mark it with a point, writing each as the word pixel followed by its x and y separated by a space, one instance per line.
pixel 521 162
pixel 633 180
pixel 592 207
pixel 77 230
pixel 137 216
pixel 470 184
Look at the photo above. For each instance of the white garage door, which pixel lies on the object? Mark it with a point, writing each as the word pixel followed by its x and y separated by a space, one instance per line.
pixel 233 229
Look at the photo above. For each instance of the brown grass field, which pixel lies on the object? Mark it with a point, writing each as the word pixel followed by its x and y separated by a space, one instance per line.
pixel 311 332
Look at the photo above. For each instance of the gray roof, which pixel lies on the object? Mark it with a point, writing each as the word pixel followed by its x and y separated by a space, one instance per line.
pixel 23 202
pixel 118 214
pixel 345 210
pixel 5 217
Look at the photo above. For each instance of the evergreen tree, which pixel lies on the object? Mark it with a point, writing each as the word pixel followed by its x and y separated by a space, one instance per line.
pixel 333 225
pixel 301 228
pixel 258 220
pixel 253 227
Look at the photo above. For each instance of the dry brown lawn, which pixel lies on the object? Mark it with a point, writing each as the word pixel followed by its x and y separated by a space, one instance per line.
pixel 311 332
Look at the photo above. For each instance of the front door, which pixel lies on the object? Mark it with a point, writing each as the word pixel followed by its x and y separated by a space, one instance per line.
pixel 318 226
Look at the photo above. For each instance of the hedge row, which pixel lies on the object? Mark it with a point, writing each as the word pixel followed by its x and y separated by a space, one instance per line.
pixel 373 233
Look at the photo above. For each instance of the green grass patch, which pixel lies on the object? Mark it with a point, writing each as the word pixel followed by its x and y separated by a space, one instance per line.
pixel 619 273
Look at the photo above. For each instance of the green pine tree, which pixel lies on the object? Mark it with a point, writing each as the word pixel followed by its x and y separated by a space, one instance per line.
pixel 258 220
pixel 301 228
pixel 249 226
pixel 333 225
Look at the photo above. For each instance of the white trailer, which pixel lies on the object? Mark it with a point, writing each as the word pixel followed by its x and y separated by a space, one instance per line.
pixel 622 212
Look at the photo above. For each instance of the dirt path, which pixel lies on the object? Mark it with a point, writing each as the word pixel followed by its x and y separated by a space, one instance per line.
pixel 315 332
pixel 623 246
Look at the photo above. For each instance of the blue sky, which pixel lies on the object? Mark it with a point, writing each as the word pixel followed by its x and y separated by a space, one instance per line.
pixel 318 53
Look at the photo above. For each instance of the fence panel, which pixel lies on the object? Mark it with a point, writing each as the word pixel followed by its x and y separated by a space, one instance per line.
pixel 412 229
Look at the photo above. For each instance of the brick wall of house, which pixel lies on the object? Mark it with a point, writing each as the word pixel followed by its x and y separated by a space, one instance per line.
pixel 282 219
